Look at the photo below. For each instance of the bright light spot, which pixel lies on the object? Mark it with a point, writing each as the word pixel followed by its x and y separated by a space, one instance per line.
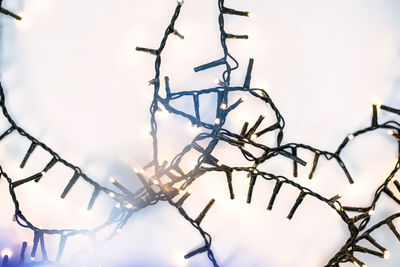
pixel 217 121
pixel 251 15
pixel 7 252
pixel 129 206
pixel 193 129
pixel 118 205
pixel 371 212
pixel 111 194
pixel 386 254
pixel 287 219
pixel 390 132
pixel 119 230
pixel 112 180
pixel 223 106
pixel 377 102
pixel 350 136
pixel 337 206
pixel 216 81
pixel 155 181
pixel 179 259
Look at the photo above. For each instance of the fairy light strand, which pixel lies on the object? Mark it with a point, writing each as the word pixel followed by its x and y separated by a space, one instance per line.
pixel 177 190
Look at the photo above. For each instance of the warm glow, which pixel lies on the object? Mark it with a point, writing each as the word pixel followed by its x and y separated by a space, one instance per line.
pixel 179 259
pixel 223 106
pixel 390 132
pixel 371 212
pixel 350 137
pixel 112 180
pixel 386 254
pixel 193 129
pixel 217 121
pixel 111 194
pixel 118 205
pixel 7 252
pixel 337 206
pixel 129 206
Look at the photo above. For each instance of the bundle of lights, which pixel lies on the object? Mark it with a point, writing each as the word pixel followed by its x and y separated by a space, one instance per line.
pixel 170 183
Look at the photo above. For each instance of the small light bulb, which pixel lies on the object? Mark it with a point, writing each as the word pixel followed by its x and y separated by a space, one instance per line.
pixel 350 136
pixel 189 191
pixel 118 205
pixel 32 258
pixel 390 132
pixel 111 194
pixel 217 121
pixel 386 254
pixel 112 180
pixel 155 181
pixel 7 252
pixel 377 103
pixel 223 106
pixel 129 206
pixel 371 212
pixel 249 14
pixel 337 206
pixel 243 98
pixel 216 81
pixel 287 219
pixel 119 230
pixel 43 173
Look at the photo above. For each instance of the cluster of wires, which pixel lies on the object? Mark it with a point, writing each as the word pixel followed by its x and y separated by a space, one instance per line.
pixel 170 182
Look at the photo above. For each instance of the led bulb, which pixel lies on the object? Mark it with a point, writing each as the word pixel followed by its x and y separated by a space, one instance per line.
pixel 223 106
pixel 386 254
pixel 129 206
pixel 111 194
pixel 118 205
pixel 390 132
pixel 350 136
pixel 216 81
pixel 371 212
pixel 7 252
pixel 112 180
pixel 119 230
pixel 337 206
pixel 217 121
pixel 155 181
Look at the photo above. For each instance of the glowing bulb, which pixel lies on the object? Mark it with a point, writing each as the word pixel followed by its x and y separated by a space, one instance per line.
pixel 189 190
pixel 217 121
pixel 287 219
pixel 119 230
pixel 111 194
pixel 216 81
pixel 118 205
pixel 129 206
pixel 377 103
pixel 43 173
pixel 32 258
pixel 193 129
pixel 386 254
pixel 223 106
pixel 251 15
pixel 350 136
pixel 112 180
pixel 371 212
pixel 390 132
pixel 155 181
pixel 7 252
pixel 243 98
pixel 337 206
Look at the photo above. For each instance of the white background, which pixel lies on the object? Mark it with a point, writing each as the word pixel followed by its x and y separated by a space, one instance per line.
pixel 74 80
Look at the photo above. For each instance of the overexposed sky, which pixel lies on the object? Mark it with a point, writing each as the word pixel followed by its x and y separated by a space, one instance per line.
pixel 74 80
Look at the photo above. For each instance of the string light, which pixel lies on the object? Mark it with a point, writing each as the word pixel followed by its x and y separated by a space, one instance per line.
pixel 177 191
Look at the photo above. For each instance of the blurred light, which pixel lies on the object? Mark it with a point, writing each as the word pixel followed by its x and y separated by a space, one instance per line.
pixel 350 136
pixel 386 254
pixel 7 252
